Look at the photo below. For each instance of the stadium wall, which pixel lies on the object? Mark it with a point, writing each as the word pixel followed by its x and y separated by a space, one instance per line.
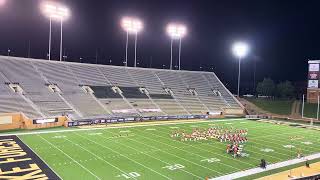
pixel 234 112
pixel 10 121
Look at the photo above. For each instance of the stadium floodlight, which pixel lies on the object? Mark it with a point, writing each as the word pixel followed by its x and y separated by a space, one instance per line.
pixel 176 31
pixel 59 13
pixel 132 26
pixel 240 50
pixel 2 2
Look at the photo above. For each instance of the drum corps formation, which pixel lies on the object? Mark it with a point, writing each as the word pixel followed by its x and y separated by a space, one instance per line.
pixel 234 137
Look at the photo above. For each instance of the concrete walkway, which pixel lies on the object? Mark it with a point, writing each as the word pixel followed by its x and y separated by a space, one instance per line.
pixel 269 167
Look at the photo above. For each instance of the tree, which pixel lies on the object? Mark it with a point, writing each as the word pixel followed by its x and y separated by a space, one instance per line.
pixel 266 87
pixel 285 90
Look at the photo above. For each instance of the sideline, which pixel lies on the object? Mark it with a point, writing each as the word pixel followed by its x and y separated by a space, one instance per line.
pixel 269 167
pixel 125 125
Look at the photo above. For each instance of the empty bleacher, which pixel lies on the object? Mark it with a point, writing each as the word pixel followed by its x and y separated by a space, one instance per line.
pixel 52 88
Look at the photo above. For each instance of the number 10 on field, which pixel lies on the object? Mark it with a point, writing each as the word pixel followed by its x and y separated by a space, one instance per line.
pixel 129 175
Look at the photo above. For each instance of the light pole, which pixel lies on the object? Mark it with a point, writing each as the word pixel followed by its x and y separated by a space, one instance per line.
pixel 176 32
pixel 240 50
pixel 59 13
pixel 131 26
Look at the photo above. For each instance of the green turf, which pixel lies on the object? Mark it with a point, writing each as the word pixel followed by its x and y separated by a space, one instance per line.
pixel 282 107
pixel 150 153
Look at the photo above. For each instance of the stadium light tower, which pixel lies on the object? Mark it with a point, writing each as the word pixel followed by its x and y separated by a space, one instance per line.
pixel 176 31
pixel 131 26
pixel 59 13
pixel 240 50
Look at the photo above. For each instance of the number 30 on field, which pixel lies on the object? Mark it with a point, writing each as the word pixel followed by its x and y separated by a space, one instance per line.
pixel 129 175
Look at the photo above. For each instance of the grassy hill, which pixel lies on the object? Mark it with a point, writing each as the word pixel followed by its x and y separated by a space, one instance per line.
pixel 281 107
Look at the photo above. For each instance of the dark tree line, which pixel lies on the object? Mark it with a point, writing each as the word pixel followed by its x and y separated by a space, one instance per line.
pixel 268 87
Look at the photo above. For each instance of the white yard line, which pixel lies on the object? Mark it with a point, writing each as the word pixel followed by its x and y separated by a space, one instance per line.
pixel 70 157
pixel 251 140
pixel 41 158
pixel 253 152
pixel 122 156
pixel 116 127
pixel 192 152
pixel 269 167
pixel 96 156
pixel 208 151
pixel 152 156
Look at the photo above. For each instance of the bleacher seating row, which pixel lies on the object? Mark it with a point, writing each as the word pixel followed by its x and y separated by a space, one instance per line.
pixel 52 88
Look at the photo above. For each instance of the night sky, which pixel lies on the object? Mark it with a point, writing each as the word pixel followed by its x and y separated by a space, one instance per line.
pixel 283 34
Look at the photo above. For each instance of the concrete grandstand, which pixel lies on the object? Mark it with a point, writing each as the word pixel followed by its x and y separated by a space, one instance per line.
pixel 42 88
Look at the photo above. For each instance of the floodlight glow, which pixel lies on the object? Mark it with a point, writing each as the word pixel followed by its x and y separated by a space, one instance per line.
pixel 240 49
pixel 176 31
pixel 131 25
pixel 2 2
pixel 55 11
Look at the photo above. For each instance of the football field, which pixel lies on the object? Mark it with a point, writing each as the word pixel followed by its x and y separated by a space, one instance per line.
pixel 148 152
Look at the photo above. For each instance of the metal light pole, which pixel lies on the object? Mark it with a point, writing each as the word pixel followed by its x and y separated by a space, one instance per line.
pixel 127 42
pixel 302 108
pixel 132 26
pixel 135 49
pixel 171 54
pixel 311 122
pixel 240 50
pixel 239 74
pixel 59 13
pixel 61 39
pixel 50 31
pixel 180 54
pixel 176 31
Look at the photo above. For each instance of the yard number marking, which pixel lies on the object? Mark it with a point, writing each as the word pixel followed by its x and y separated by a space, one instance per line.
pixel 126 131
pixel 307 143
pixel 58 137
pixel 267 150
pixel 211 160
pixel 174 167
pixel 129 175
pixel 92 134
pixel 289 146
pixel 150 129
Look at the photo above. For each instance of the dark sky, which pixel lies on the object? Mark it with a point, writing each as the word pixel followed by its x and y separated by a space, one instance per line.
pixel 282 34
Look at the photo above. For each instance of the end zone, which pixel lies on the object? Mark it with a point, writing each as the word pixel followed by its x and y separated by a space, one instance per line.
pixel 18 161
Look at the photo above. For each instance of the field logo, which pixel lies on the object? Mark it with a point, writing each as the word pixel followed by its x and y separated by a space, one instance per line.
pixel 211 160
pixel 288 146
pixel 267 150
